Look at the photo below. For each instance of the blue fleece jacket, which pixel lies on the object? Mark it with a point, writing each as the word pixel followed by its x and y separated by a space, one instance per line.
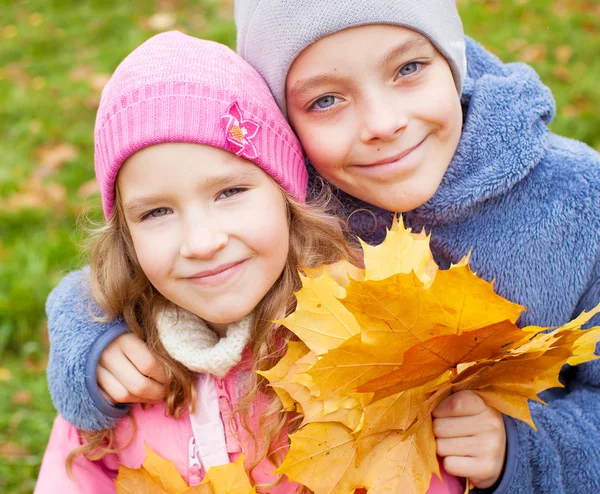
pixel 524 201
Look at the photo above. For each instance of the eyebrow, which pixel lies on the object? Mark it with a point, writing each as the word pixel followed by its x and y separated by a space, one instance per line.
pixel 306 85
pixel 404 48
pixel 140 204
pixel 237 178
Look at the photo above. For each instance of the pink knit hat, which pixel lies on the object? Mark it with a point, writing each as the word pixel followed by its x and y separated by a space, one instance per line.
pixel 176 88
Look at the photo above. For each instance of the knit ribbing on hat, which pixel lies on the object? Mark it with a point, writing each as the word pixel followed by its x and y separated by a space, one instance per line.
pixel 176 88
pixel 189 340
pixel 272 33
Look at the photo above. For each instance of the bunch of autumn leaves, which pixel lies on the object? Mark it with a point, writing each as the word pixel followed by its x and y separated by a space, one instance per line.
pixel 380 348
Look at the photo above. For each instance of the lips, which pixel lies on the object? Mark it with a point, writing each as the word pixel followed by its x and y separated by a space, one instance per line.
pixel 395 158
pixel 213 272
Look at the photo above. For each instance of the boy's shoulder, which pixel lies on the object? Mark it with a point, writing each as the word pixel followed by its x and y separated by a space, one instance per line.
pixel 571 169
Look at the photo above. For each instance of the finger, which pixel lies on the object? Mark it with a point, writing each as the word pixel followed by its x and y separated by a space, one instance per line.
pixel 487 421
pixel 461 404
pixel 140 387
pixel 111 388
pixel 482 474
pixel 489 444
pixel 473 446
pixel 138 353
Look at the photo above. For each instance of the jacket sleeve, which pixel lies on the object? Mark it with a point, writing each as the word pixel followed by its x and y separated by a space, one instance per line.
pixel 563 456
pixel 89 477
pixel 76 342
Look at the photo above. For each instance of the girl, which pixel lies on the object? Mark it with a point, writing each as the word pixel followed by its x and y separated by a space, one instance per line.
pixel 203 187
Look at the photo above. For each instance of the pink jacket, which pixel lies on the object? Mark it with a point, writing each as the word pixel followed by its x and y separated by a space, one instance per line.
pixel 193 443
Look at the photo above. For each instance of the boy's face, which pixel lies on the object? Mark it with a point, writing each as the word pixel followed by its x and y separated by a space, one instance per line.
pixel 377 111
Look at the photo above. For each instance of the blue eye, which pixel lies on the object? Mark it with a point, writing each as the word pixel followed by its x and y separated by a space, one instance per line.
pixel 325 102
pixel 158 212
pixel 409 69
pixel 232 191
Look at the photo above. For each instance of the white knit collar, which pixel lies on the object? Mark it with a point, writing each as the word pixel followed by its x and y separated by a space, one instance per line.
pixel 189 340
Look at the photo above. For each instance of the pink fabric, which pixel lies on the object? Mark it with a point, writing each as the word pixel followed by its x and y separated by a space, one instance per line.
pixel 175 441
pixel 176 88
pixel 171 439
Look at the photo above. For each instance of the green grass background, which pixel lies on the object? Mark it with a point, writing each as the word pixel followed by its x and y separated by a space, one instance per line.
pixel 54 59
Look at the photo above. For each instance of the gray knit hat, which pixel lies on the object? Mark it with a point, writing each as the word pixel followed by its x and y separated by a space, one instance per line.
pixel 272 33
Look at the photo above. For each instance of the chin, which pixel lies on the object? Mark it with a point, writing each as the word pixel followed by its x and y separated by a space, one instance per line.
pixel 401 204
pixel 230 318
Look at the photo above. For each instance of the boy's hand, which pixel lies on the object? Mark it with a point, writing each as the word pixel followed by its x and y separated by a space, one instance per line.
pixel 471 438
pixel 127 372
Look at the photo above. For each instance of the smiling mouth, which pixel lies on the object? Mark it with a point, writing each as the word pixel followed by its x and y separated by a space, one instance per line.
pixel 393 159
pixel 218 275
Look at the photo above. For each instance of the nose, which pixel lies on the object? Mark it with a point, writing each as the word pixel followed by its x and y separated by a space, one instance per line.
pixel 202 239
pixel 383 117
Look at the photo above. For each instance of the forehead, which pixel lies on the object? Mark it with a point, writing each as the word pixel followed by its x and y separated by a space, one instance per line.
pixel 374 39
pixel 371 46
pixel 178 164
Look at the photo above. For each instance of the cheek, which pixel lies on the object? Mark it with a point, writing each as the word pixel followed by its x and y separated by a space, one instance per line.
pixel 442 107
pixel 449 113
pixel 267 231
pixel 154 253
pixel 326 142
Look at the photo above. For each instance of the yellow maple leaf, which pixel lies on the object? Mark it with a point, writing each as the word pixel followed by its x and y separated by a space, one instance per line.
pixel 290 383
pixel 353 363
pixel 136 481
pixel 402 338
pixel 323 457
pixel 342 272
pixel 229 479
pixel 295 351
pixel 320 320
pixel 456 301
pixel 164 473
pixel 160 476
pixel 402 252
pixel 156 475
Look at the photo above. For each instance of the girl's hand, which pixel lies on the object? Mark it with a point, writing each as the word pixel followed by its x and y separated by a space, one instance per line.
pixel 127 372
pixel 471 438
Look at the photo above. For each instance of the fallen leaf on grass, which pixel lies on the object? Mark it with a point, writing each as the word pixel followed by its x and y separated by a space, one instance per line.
pixel 13 451
pixel 5 375
pixel 21 397
pixel 52 156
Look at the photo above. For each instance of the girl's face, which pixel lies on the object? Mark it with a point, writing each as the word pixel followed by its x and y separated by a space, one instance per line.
pixel 210 229
pixel 378 114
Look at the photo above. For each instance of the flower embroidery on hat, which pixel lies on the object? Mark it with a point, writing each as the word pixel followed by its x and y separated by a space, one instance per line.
pixel 240 132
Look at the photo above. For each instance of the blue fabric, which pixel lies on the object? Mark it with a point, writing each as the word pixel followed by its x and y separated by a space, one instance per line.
pixel 76 342
pixel 526 203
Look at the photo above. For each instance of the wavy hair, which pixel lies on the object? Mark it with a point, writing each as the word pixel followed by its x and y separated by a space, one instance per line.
pixel 121 288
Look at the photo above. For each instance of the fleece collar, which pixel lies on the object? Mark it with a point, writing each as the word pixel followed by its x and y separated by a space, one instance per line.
pixel 503 138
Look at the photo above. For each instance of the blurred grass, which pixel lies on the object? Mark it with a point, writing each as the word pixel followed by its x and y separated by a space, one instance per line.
pixel 54 60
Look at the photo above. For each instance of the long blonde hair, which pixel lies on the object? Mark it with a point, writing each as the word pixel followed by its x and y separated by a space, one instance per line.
pixel 121 288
